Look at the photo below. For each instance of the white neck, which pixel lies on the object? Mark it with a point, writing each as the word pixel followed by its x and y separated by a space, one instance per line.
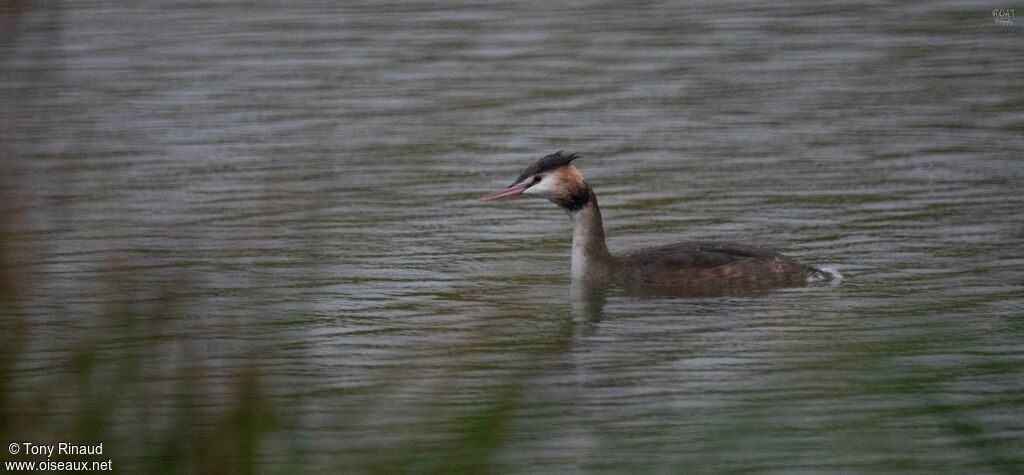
pixel 590 256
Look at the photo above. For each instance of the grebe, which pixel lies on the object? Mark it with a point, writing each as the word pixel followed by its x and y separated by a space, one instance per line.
pixel 692 265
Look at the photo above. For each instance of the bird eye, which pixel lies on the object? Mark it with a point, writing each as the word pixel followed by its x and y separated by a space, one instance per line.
pixel 536 180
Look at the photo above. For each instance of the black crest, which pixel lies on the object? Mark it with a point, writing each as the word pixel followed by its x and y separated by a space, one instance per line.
pixel 548 163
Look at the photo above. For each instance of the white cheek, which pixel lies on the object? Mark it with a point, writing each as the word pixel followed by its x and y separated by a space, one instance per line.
pixel 546 187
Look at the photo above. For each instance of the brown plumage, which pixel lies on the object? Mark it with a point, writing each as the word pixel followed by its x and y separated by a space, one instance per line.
pixel 704 267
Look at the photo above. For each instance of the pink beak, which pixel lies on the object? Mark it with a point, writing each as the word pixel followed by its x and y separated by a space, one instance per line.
pixel 505 193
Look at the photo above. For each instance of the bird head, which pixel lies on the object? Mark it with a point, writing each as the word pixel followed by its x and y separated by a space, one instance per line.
pixel 553 177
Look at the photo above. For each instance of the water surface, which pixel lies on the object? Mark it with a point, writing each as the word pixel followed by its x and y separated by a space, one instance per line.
pixel 255 232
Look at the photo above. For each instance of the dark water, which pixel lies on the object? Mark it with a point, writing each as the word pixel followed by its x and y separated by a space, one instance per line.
pixel 234 225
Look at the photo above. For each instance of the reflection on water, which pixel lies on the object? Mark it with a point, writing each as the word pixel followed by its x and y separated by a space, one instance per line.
pixel 254 233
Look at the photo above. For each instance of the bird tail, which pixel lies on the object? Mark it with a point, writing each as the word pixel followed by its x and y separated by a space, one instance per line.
pixel 825 274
